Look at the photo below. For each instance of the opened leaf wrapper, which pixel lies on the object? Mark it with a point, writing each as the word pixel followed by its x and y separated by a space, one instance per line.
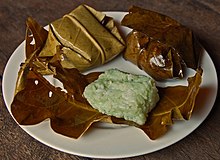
pixel 36 99
pixel 83 39
pixel 39 100
pixel 176 103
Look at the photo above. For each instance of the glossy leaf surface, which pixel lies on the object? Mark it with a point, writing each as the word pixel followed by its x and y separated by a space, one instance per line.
pixel 176 103
pixel 70 114
pixel 170 37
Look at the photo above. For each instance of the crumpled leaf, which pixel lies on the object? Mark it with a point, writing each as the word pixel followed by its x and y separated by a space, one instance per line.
pixel 83 39
pixel 159 60
pixel 74 86
pixel 21 80
pixel 69 113
pixel 165 36
pixel 35 39
pixel 36 36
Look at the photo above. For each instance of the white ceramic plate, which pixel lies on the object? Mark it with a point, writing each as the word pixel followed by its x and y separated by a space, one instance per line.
pixel 112 141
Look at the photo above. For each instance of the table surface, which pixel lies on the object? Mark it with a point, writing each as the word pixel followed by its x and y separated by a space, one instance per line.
pixel 202 16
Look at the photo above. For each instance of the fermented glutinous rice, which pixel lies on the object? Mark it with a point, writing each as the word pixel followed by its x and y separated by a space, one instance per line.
pixel 123 95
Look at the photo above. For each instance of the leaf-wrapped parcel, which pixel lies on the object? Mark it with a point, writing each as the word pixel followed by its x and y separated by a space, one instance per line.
pixel 83 39
pixel 158 44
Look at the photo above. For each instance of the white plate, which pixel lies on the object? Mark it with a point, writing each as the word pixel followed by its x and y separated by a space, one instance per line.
pixel 107 141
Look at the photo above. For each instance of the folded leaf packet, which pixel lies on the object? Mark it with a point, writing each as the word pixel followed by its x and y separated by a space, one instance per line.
pixel 83 39
pixel 158 44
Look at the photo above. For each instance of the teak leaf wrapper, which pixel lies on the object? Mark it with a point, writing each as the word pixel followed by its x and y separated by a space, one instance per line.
pixel 159 44
pixel 176 103
pixel 37 102
pixel 84 38
pixel 36 99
